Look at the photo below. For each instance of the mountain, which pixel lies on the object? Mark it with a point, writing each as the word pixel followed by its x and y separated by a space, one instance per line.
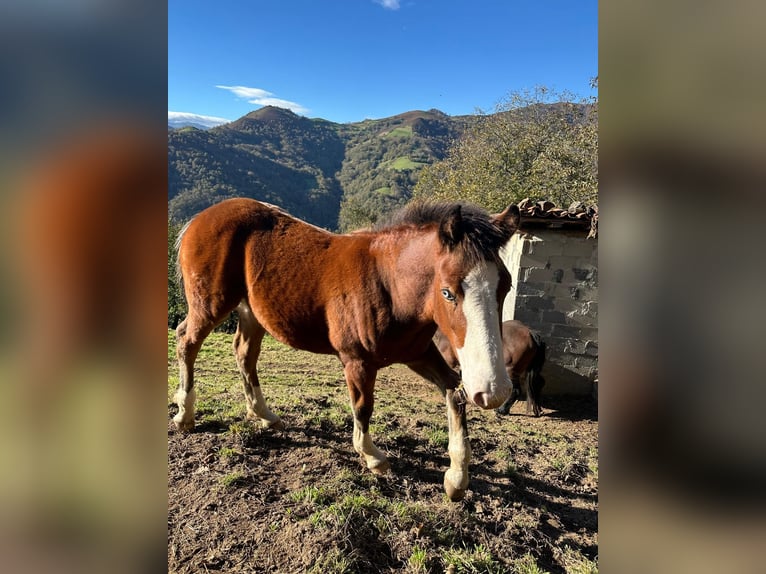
pixel 315 169
pixel 177 120
pixel 180 124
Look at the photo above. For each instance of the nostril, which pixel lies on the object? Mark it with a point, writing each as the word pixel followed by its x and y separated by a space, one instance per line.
pixel 480 400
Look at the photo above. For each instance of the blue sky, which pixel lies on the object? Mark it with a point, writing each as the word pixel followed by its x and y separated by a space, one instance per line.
pixel 347 60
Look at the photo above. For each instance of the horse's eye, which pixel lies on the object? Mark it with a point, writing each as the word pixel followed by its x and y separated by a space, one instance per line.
pixel 448 295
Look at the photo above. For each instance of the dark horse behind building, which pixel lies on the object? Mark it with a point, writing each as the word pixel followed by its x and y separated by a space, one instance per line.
pixel 524 357
pixel 371 298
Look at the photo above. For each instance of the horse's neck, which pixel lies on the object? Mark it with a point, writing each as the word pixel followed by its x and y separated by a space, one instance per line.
pixel 407 268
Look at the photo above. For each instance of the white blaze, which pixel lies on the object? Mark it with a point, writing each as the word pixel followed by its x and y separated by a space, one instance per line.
pixel 481 357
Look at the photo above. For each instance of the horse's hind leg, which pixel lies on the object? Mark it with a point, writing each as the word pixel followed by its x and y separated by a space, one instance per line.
pixel 191 332
pixel 505 408
pixel 247 348
pixel 360 380
pixel 535 383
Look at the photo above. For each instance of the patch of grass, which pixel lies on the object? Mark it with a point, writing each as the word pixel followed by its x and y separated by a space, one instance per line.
pixel 429 524
pixel 221 408
pixel 341 498
pixel 527 565
pixel 592 461
pixel 354 503
pixel 437 436
pixel 562 463
pixel 478 560
pixel 310 495
pixel 331 419
pixel 568 464
pixel 533 439
pixel 348 480
pixel 399 132
pixel 336 561
pixel 402 163
pixel 232 479
pixel 228 452
pixel 512 471
pixel 417 561
pixel 407 512
pixel 575 563
pixel 339 416
pixel 243 431
pixel 318 520
pixel 524 519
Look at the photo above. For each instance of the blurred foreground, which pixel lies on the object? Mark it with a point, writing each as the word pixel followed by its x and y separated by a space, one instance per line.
pixel 683 457
pixel 83 181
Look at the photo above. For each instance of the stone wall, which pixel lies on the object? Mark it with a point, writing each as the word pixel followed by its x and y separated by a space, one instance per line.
pixel 555 291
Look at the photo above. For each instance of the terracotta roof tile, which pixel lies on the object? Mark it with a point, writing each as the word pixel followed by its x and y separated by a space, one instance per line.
pixel 546 214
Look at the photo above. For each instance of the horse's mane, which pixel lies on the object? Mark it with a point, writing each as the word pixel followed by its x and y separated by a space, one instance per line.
pixel 482 237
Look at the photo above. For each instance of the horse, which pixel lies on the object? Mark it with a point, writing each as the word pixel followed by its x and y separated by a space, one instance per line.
pixel 524 356
pixel 371 298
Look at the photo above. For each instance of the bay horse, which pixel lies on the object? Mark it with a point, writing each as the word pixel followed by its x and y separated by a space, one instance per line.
pixel 371 298
pixel 524 357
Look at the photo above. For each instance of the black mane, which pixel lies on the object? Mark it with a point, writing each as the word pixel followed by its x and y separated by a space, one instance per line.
pixel 482 237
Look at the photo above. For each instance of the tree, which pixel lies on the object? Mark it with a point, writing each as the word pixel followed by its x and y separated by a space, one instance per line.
pixel 176 302
pixel 538 144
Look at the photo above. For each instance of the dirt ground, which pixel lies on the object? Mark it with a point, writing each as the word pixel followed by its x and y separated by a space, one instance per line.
pixel 243 499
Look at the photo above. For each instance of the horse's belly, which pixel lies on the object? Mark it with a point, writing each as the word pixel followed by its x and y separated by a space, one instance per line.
pixel 306 336
pixel 311 344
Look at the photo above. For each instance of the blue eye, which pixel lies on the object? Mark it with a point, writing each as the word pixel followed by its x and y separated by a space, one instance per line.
pixel 448 295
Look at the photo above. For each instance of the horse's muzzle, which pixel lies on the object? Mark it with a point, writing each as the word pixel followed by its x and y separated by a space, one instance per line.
pixel 489 400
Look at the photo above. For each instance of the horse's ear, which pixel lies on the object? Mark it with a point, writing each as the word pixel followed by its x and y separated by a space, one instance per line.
pixel 451 228
pixel 508 219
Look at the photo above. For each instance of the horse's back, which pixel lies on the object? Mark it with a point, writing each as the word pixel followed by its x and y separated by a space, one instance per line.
pixel 518 346
pixel 236 214
pixel 212 253
pixel 242 249
pixel 211 237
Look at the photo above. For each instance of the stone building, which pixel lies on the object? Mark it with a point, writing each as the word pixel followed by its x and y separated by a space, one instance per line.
pixel 553 261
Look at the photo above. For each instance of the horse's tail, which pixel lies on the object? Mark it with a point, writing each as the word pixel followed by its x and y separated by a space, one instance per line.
pixel 177 249
pixel 535 380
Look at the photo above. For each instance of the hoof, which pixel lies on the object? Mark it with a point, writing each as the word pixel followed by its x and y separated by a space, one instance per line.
pixel 454 494
pixel 184 426
pixel 276 425
pixel 380 468
pixel 452 480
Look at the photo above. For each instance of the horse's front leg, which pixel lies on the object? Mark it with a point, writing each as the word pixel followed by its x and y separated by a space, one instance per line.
pixel 432 367
pixel 459 448
pixel 360 379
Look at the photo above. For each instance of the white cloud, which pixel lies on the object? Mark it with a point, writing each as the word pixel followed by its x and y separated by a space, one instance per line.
pixel 264 98
pixel 186 118
pixel 388 4
pixel 247 93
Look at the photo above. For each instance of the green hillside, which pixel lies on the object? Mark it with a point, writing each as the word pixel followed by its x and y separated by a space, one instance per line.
pixel 332 175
